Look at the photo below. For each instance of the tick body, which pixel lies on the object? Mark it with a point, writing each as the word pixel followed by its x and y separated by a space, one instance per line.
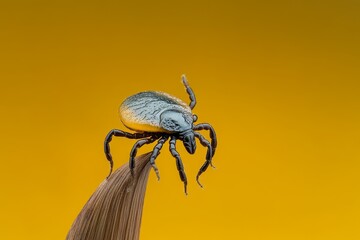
pixel 156 112
pixel 158 116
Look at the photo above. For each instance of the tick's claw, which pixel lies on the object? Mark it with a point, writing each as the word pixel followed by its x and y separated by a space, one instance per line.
pixel 212 166
pixel 197 179
pixel 109 174
pixel 157 174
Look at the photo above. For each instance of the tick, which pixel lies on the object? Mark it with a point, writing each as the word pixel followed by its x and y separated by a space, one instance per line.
pixel 158 116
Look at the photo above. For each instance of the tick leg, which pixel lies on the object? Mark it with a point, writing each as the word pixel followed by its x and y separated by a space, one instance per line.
pixel 205 143
pixel 179 163
pixel 118 133
pixel 155 153
pixel 189 91
pixel 134 150
pixel 206 126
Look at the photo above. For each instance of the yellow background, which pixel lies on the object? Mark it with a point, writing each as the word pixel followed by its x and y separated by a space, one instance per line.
pixel 278 80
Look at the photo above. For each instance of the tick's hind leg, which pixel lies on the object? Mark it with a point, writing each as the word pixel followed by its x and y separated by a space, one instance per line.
pixel 189 91
pixel 134 150
pixel 179 164
pixel 206 126
pixel 155 153
pixel 118 133
pixel 203 168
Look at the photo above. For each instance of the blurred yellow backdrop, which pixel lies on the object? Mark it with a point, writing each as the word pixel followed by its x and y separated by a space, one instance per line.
pixel 278 80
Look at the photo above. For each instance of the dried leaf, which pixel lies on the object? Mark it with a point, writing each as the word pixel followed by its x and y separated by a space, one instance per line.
pixel 114 210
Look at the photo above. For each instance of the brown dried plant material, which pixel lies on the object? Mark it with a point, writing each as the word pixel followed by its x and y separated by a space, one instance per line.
pixel 114 210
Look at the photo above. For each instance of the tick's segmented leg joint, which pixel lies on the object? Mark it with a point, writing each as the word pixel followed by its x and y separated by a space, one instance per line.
pixel 134 150
pixel 189 91
pixel 179 163
pixel 209 154
pixel 156 152
pixel 206 126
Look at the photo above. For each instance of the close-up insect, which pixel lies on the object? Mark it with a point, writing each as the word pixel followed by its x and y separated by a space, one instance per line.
pixel 159 116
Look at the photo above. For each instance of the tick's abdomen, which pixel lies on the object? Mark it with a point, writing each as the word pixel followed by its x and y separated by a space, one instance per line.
pixel 141 112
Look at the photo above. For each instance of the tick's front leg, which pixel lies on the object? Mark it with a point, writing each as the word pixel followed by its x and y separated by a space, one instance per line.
pixel 203 168
pixel 189 91
pixel 206 126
